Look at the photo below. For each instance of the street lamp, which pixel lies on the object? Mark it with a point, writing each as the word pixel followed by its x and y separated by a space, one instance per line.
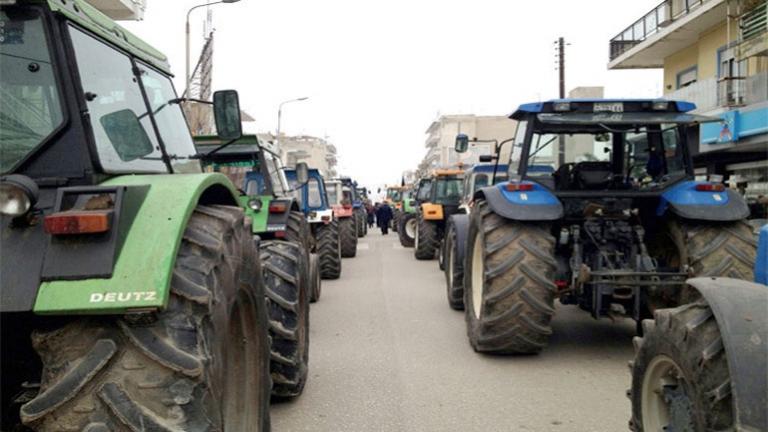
pixel 189 73
pixel 280 115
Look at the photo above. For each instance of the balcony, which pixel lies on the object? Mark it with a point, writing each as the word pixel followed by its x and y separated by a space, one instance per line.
pixel 729 92
pixel 121 9
pixel 666 29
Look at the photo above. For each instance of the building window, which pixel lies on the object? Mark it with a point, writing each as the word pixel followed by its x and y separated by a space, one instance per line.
pixel 687 76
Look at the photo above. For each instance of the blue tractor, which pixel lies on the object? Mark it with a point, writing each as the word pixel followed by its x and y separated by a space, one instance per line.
pixel 601 210
pixel 324 227
pixel 361 215
pixel 451 256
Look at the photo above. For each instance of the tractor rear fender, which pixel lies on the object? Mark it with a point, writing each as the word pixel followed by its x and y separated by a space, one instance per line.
pixel 739 307
pixel 538 204
pixel 431 211
pixel 460 223
pixel 144 267
pixel 684 200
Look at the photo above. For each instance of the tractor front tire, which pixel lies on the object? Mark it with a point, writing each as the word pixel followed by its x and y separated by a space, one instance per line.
pixel 316 285
pixel 407 229
pixel 426 240
pixel 288 309
pixel 329 250
pixel 680 377
pixel 454 273
pixel 362 228
pixel 200 364
pixel 347 231
pixel 509 288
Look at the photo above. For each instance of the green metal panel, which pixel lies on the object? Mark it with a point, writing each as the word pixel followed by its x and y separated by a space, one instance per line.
pixel 85 15
pixel 143 270
pixel 259 224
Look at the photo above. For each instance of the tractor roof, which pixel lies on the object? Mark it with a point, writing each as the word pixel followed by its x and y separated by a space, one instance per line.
pixel 82 13
pixel 589 106
pixel 246 146
pixel 487 168
pixel 447 172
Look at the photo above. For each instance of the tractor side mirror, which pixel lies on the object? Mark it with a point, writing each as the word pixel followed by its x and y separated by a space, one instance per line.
pixel 128 137
pixel 462 143
pixel 226 112
pixel 302 173
pixel 486 158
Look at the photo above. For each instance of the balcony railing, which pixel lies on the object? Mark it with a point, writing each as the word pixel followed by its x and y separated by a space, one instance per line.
pixel 729 92
pixel 703 93
pixel 661 16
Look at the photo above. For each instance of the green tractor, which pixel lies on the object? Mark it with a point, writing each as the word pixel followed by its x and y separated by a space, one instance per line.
pixel 407 221
pixel 131 295
pixel 291 273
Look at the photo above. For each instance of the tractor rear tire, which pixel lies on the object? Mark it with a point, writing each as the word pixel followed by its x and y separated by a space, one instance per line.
pixel 680 377
pixel 288 309
pixel 727 250
pixel 441 255
pixel 329 250
pixel 316 285
pixel 200 364
pixel 298 230
pixel 454 273
pixel 407 229
pixel 362 228
pixel 348 236
pixel 509 288
pixel 426 240
pixel 396 215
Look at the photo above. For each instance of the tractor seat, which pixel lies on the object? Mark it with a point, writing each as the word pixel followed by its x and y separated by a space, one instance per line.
pixel 592 175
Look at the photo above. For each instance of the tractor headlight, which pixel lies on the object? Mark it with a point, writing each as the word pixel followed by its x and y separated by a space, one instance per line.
pixel 255 205
pixel 18 194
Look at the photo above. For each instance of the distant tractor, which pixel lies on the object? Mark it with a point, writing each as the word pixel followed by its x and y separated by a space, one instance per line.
pixel 131 290
pixel 395 200
pixel 340 197
pixel 407 221
pixel 703 366
pixel 454 243
pixel 361 215
pixel 438 198
pixel 602 211
pixel 324 237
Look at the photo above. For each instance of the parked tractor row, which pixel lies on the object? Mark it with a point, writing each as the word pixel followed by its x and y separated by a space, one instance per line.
pixel 619 228
pixel 148 281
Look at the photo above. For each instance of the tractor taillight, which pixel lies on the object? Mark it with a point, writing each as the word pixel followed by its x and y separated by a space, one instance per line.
pixel 347 206
pixel 710 187
pixel 519 187
pixel 278 208
pixel 78 222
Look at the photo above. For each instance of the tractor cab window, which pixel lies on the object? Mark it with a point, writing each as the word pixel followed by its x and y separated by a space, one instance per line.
pixel 255 184
pixel 314 193
pixel 347 196
pixel 276 174
pixel 171 124
pixel 481 181
pixel 333 193
pixel 425 191
pixel 596 158
pixel 112 93
pixel 31 108
pixel 448 191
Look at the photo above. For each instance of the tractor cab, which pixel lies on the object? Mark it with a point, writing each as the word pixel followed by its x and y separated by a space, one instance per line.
pixel 312 196
pixel 480 176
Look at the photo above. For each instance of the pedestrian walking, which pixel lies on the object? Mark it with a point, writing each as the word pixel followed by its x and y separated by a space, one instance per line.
pixel 371 212
pixel 383 216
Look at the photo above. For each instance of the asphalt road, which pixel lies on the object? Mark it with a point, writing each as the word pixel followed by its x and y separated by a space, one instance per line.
pixel 388 354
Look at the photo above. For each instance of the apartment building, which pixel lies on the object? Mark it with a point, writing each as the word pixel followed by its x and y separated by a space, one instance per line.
pixel 315 152
pixel 441 137
pixel 121 9
pixel 713 53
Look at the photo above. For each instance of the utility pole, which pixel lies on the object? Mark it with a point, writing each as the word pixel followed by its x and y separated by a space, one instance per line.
pixel 561 70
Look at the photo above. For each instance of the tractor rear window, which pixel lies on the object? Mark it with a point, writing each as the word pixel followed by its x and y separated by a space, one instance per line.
pixel 31 109
pixel 448 191
pixel 314 197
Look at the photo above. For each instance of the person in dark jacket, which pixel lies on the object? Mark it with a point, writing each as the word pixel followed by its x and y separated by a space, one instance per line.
pixel 383 216
pixel 371 211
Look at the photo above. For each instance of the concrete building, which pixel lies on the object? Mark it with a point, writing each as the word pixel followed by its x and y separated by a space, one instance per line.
pixel 441 136
pixel 713 53
pixel 316 152
pixel 121 9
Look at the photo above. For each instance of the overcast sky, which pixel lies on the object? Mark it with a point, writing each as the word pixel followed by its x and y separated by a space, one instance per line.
pixel 378 73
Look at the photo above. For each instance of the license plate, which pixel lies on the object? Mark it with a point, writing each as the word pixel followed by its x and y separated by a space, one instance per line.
pixel 615 107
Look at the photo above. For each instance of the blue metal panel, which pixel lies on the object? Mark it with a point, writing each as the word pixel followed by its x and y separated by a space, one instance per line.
pixel 685 193
pixel 736 125
pixel 538 196
pixel 761 263
pixel 489 168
